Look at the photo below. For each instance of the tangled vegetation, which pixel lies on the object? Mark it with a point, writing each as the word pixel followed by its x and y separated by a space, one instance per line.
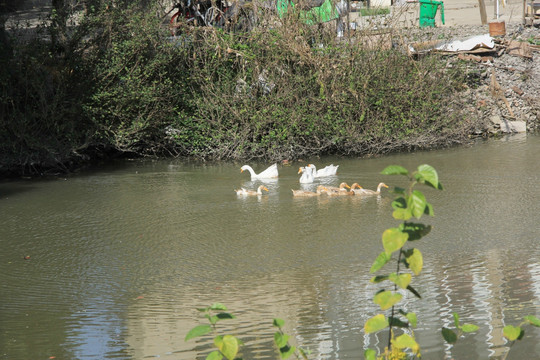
pixel 114 82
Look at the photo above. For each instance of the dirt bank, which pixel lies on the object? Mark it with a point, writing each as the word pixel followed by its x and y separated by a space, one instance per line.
pixel 504 88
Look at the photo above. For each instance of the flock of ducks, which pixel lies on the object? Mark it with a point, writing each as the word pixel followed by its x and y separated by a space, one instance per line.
pixel 309 174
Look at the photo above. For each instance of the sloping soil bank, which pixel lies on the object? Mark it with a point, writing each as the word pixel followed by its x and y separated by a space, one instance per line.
pixel 504 86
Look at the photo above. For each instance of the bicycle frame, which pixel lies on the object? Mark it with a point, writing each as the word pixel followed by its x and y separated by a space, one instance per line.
pixel 198 13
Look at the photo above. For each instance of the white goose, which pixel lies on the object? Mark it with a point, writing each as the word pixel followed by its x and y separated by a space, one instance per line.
pixel 270 173
pixel 307 175
pixel 326 171
pixel 243 191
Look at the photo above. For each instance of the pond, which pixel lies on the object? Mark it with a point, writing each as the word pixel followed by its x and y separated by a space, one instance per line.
pixel 112 263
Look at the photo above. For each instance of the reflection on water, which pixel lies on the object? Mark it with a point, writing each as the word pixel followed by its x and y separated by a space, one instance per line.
pixel 121 257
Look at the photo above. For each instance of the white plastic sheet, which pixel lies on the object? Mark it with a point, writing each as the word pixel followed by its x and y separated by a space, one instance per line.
pixel 472 43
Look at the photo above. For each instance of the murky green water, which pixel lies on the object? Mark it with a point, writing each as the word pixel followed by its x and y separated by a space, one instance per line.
pixel 121 256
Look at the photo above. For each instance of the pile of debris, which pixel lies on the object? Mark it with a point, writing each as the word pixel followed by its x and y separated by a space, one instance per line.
pixel 504 92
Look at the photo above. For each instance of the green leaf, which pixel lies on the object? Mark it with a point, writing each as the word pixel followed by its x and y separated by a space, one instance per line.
pixel 468 328
pixel 379 278
pixel 401 280
pixel 386 299
pixel 456 319
pixel 401 211
pixel 218 341
pixel 280 339
pixel 199 330
pixel 286 351
pixel 399 203
pixel 512 333
pixel 393 239
pixel 228 345
pixel 278 322
pixel 406 341
pixel 415 260
pixel 412 319
pixel 429 210
pixel 213 319
pixel 402 214
pixel 304 353
pixel 449 336
pixel 379 262
pixel 394 321
pixel 417 203
pixel 223 316
pixel 428 175
pixel 218 306
pixel 395 170
pixel 415 293
pixel 376 323
pixel 214 355
pixel 415 230
pixel 370 354
pixel 533 320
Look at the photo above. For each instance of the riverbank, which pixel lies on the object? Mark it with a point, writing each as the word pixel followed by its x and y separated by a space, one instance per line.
pixel 270 95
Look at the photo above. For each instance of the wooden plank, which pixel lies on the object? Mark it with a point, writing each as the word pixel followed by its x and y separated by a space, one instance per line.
pixel 483 14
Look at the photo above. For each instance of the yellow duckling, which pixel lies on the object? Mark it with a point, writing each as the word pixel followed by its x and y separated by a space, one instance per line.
pixel 362 191
pixel 341 190
pixel 305 193
pixel 243 191
pixel 357 189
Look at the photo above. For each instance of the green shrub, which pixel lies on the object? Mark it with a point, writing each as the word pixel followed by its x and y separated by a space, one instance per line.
pixel 119 81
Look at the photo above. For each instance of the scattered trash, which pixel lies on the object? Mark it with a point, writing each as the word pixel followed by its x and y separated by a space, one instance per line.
pixel 473 43
pixel 477 44
pixel 519 48
pixel 479 59
pixel 497 28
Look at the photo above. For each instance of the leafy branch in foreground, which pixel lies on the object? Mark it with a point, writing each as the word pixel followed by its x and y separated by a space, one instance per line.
pixel 514 333
pixel 282 342
pixel 451 336
pixel 409 203
pixel 228 346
